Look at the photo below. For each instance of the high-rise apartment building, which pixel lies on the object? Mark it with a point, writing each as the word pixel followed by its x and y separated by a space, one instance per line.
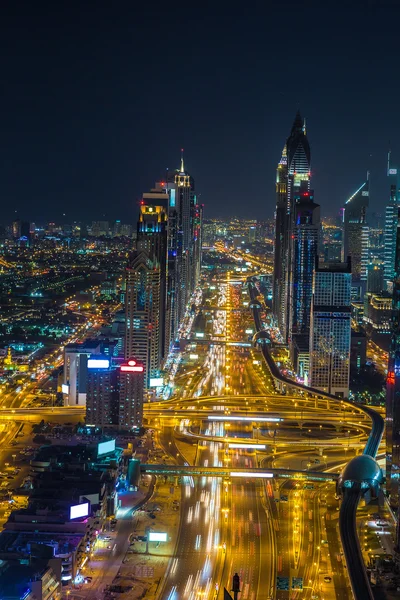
pixel 130 414
pixel 304 242
pixel 114 393
pixel 356 233
pixel 330 332
pixel 142 303
pixel 293 175
pixel 393 394
pixel 75 373
pixel 390 232
pixel 102 392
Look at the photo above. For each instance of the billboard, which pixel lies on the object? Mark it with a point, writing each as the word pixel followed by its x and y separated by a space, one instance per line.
pixel 132 367
pixel 105 447
pixel 157 537
pixel 77 511
pixel 156 381
pixel 98 363
pixel 65 388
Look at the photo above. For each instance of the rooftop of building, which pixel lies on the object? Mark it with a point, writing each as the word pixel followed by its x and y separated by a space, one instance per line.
pixel 87 345
pixel 79 454
pixel 16 577
pixel 333 267
pixel 40 544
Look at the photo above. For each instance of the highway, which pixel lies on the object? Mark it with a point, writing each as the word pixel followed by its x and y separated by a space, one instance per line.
pixel 274 531
pixel 347 517
pixel 256 537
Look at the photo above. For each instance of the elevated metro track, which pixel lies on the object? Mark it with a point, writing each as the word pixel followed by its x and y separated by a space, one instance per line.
pixel 347 517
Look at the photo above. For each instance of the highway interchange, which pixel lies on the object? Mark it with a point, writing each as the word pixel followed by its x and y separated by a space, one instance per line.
pixel 280 534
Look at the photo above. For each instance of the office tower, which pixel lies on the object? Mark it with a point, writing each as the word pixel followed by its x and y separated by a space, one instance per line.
pixel 185 216
pixel 126 230
pixel 252 234
pixel 102 392
pixel 304 241
pixel 197 243
pixel 130 414
pixel 375 276
pixel 391 226
pixel 76 357
pixel 393 394
pixel 21 231
pixel 378 313
pixel 100 228
pixel 330 332
pixel 142 303
pixel 116 230
pixel 356 233
pixel 152 238
pixel 293 172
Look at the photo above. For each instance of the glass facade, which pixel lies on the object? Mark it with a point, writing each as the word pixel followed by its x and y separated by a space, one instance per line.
pixel 330 334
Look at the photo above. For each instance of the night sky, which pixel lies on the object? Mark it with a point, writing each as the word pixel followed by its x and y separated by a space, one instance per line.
pixel 97 98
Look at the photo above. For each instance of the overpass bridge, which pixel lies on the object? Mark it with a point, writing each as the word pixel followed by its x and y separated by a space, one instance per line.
pixel 229 472
pixel 347 516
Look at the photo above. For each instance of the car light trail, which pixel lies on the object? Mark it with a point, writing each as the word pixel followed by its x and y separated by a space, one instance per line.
pixel 251 474
pixel 248 446
pixel 251 419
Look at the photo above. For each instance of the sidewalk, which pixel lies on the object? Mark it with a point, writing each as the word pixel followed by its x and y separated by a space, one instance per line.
pixel 145 572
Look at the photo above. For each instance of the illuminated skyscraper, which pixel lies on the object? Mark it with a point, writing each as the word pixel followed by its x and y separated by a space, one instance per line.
pixel 185 216
pixel 131 379
pixel 393 393
pixel 293 173
pixel 356 233
pixel 142 302
pixel 304 250
pixel 391 226
pixel 152 238
pixel 330 332
pixel 280 237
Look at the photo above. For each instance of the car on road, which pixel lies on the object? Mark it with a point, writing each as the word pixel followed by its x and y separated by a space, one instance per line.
pixel 327 579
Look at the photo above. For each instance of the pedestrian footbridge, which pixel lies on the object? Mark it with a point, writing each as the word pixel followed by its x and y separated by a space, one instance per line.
pixel 228 472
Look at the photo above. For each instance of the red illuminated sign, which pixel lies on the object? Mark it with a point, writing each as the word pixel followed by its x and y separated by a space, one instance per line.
pixel 390 377
pixel 132 367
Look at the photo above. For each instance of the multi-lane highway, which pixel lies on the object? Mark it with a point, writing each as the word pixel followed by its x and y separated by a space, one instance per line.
pixel 280 535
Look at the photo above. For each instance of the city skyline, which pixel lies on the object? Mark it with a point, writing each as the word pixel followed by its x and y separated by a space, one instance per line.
pixel 80 128
pixel 194 407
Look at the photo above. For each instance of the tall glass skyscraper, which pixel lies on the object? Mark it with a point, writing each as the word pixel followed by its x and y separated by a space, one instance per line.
pixel 185 216
pixel 356 232
pixel 293 174
pixel 304 250
pixel 330 333
pixel 391 226
pixel 393 394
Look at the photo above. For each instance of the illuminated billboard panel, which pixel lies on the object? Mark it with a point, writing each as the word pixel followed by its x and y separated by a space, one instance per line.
pixel 105 447
pixel 78 511
pixel 99 363
pixel 156 381
pixel 157 537
pixel 132 367
pixel 65 388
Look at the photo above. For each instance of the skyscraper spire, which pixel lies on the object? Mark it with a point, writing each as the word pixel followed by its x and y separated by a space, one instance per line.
pixel 182 163
pixel 298 123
